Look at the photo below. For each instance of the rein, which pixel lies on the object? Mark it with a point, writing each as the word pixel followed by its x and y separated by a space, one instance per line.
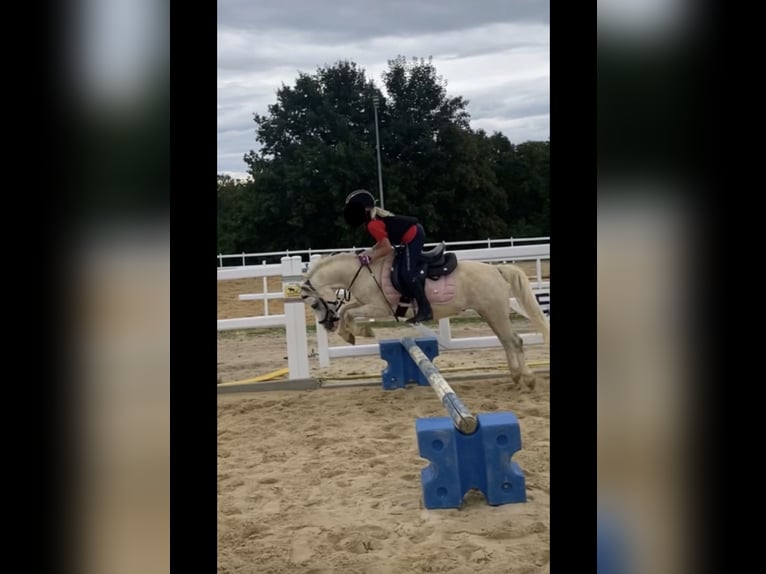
pixel 379 289
pixel 346 297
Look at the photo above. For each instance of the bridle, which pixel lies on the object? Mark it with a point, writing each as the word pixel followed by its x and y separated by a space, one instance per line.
pixel 331 308
pixel 342 296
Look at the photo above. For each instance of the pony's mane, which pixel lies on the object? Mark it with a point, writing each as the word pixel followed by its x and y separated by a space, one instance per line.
pixel 327 259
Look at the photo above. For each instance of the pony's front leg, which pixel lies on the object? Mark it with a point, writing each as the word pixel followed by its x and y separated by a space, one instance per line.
pixel 369 311
pixel 344 331
pixel 345 334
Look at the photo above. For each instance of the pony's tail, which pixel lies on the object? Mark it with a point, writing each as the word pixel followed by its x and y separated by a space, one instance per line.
pixel 522 290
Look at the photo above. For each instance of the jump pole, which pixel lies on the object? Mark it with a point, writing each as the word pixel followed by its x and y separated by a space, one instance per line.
pixel 462 418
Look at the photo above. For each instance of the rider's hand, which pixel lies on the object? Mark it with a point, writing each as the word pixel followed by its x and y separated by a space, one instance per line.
pixel 365 259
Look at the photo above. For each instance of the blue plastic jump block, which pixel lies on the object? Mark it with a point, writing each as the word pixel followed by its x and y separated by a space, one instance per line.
pixel 481 460
pixel 401 368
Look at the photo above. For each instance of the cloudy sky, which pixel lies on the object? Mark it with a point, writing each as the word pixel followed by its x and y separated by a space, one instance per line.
pixel 495 53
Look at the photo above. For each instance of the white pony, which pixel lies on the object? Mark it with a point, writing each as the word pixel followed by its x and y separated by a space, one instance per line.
pixel 473 285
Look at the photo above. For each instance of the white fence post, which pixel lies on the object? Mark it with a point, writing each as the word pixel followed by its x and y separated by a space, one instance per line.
pixel 539 269
pixel 265 290
pixel 445 331
pixel 295 318
pixel 323 343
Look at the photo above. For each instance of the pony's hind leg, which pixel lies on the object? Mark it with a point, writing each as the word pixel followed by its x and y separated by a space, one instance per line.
pixel 513 346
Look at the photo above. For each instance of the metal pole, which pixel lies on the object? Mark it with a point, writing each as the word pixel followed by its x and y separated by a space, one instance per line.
pixel 377 142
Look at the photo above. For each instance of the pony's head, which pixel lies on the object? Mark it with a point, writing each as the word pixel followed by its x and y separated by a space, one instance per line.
pixel 321 288
pixel 325 310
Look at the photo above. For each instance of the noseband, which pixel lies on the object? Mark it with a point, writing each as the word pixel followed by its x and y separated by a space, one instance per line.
pixel 331 308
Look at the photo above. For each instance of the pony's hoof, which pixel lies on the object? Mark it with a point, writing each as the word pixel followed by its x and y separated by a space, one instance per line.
pixel 350 339
pixel 529 381
pixel 524 381
pixel 365 330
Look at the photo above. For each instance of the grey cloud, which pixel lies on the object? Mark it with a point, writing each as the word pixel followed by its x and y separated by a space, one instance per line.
pixel 232 147
pixel 511 100
pixel 494 54
pixel 519 130
pixel 507 45
pixel 523 109
pixel 287 51
pixel 355 19
pixel 231 121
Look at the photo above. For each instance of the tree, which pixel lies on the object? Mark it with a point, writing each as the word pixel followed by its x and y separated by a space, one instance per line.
pixel 530 189
pixel 317 143
pixel 239 215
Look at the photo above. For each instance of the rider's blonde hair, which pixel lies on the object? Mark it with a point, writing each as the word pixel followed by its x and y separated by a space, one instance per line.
pixel 376 212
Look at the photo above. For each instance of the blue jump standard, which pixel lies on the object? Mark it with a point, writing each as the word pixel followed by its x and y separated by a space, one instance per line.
pixel 459 462
pixel 401 368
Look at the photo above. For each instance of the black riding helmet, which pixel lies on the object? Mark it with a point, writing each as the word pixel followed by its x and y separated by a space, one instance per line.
pixel 356 204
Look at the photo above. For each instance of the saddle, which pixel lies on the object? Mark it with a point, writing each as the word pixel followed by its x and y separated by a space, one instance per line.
pixel 435 263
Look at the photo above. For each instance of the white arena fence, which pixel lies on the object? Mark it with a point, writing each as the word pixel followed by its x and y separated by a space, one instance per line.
pixel 291 269
pixel 274 257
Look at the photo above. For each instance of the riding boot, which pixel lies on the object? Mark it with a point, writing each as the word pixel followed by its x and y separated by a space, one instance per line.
pixel 424 307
